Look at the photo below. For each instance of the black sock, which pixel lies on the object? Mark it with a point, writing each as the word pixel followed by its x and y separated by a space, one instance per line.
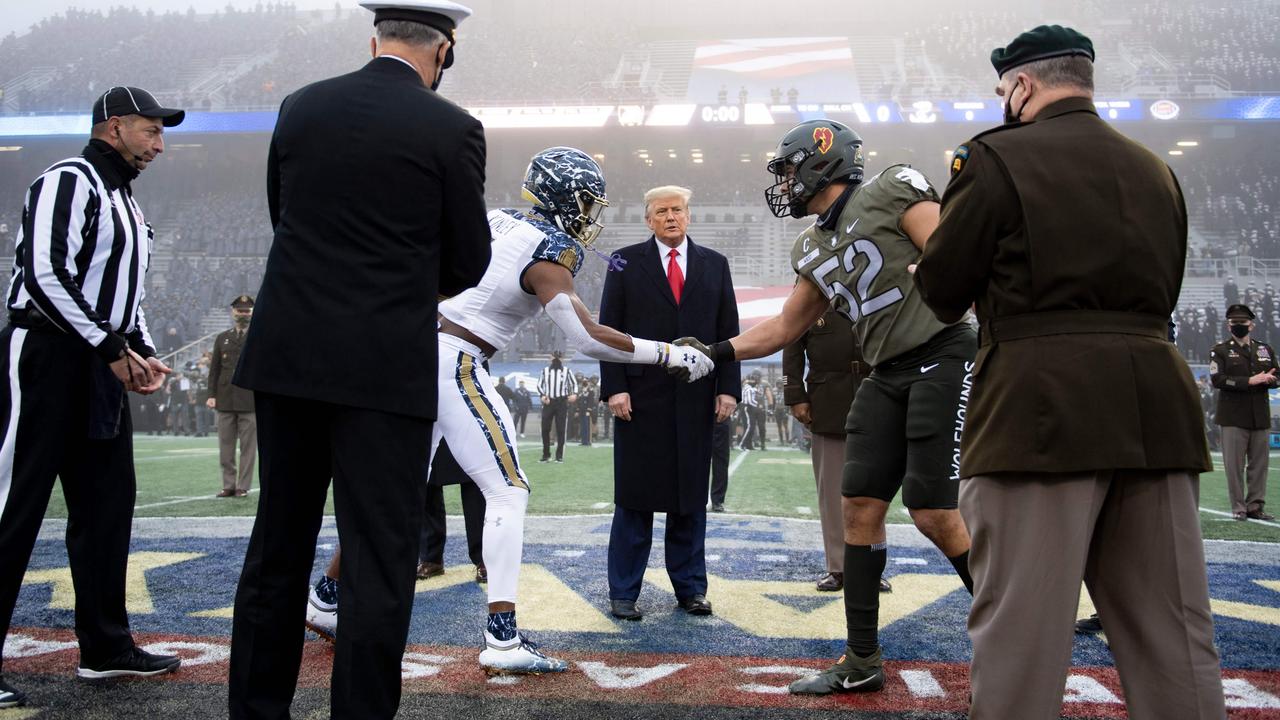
pixel 863 566
pixel 961 564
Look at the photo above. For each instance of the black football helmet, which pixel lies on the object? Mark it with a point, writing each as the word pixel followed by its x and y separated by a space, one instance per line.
pixel 818 152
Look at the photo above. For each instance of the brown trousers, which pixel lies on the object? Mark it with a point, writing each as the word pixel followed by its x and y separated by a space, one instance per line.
pixel 240 426
pixel 828 471
pixel 1134 538
pixel 1238 446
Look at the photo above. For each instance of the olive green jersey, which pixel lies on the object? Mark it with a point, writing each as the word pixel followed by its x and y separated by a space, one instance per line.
pixel 861 264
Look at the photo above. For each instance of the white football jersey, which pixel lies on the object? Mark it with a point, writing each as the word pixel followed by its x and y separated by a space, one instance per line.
pixel 498 306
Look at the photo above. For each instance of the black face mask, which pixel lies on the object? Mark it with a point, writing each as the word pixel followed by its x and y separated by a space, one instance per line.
pixel 1240 331
pixel 1009 116
pixel 439 77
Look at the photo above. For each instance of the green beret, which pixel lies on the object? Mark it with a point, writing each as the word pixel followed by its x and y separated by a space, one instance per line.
pixel 1042 43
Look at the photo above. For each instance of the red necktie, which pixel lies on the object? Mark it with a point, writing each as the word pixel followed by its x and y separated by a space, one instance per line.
pixel 674 276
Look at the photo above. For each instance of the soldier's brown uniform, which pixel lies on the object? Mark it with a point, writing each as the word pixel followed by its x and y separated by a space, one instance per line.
pixel 835 370
pixel 1084 439
pixel 1244 412
pixel 236 418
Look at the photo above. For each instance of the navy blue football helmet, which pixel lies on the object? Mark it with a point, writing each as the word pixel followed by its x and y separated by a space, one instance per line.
pixel 566 186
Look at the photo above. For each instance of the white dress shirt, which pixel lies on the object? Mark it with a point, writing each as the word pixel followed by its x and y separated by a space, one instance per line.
pixel 682 254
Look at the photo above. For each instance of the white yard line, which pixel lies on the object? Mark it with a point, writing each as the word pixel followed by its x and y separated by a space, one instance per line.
pixel 733 468
pixel 1227 514
pixel 178 501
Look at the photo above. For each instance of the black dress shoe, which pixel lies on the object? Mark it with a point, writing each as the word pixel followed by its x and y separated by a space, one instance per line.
pixel 1089 626
pixel 885 586
pixel 625 609
pixel 696 605
pixel 831 582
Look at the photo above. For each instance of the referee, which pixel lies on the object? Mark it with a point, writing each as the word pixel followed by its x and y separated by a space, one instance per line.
pixel 558 388
pixel 75 342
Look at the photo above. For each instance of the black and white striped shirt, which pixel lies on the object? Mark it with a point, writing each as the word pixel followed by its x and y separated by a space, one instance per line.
pixel 82 253
pixel 557 382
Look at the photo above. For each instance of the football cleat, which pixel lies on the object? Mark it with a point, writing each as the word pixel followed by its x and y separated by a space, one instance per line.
pixel 322 609
pixel 517 656
pixel 850 674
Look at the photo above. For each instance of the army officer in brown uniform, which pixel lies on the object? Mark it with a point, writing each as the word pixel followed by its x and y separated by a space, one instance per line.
pixel 820 400
pixel 1244 371
pixel 1084 439
pixel 234 404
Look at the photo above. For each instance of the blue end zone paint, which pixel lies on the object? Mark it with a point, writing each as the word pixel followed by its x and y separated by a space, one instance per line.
pixel 455 615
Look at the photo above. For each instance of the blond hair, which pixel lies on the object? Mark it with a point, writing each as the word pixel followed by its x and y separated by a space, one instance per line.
pixel 663 191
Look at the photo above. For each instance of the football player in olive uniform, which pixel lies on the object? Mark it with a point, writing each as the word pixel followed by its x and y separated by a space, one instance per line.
pixel 905 422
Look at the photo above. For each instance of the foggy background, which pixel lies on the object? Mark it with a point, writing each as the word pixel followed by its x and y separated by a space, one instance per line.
pixel 894 71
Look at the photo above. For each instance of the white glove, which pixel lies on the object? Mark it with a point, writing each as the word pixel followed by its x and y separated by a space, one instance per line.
pixel 685 362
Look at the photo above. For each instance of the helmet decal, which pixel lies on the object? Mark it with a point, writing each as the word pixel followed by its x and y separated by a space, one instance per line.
pixel 823 136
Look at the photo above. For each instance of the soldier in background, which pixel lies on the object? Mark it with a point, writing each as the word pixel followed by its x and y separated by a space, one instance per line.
pixel 1244 371
pixel 236 418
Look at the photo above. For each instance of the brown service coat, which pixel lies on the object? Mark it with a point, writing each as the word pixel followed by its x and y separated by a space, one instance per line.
pixel 835 371
pixel 1231 365
pixel 226 354
pixel 1071 238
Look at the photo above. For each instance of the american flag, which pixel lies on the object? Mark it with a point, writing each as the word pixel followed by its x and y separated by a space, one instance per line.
pixel 772 58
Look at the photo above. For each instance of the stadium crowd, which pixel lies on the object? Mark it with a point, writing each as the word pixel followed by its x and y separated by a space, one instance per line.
pixel 251 58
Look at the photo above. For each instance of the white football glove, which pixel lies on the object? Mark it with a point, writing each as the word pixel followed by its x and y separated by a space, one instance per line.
pixel 686 362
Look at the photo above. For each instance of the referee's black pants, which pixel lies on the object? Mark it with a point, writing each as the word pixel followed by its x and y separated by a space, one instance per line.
pixel 721 438
pixel 378 463
pixel 46 376
pixel 556 410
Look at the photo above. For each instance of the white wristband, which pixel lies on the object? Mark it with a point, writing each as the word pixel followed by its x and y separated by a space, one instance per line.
pixel 649 352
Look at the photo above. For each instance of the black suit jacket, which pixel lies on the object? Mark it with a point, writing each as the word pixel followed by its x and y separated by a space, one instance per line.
pixel 662 457
pixel 376 190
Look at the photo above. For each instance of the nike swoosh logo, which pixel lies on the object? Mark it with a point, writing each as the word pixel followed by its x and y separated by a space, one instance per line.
pixel 852 225
pixel 850 685
pixel 927 368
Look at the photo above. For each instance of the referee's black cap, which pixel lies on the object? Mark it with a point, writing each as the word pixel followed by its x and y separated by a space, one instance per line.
pixel 122 100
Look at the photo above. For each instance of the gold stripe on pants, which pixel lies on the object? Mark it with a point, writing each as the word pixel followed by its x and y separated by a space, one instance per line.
pixel 1134 538
pixel 499 443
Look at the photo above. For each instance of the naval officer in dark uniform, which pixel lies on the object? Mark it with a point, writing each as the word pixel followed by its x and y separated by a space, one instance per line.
pixel 234 404
pixel 1244 371
pixel 375 186
pixel 1084 441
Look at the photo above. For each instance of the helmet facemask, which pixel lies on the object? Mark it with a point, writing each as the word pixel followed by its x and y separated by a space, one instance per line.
pixel 586 226
pixel 788 195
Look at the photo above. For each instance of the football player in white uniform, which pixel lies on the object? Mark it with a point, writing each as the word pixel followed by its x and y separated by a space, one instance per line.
pixel 536 255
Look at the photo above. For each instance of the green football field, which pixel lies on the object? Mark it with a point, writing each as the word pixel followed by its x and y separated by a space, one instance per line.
pixel 178 477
